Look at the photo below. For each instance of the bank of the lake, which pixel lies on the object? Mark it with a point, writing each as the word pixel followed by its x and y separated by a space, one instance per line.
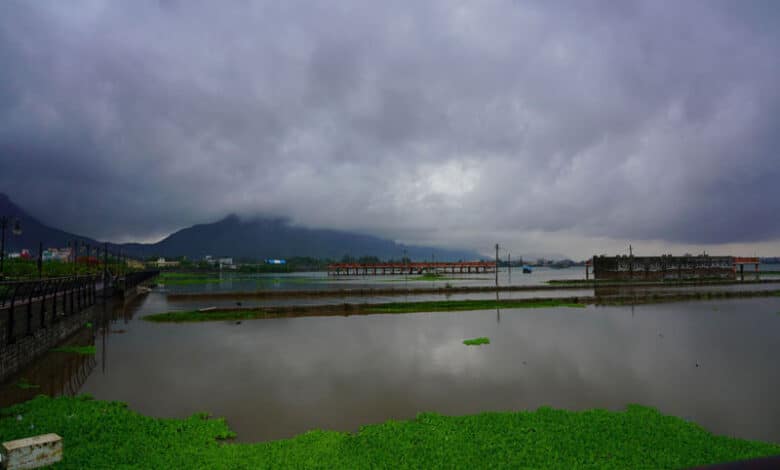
pixel 100 434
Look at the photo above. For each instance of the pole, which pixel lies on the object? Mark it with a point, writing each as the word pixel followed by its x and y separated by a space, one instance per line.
pixel 105 268
pixel 509 268
pixel 496 264
pixel 406 284
pixel 3 223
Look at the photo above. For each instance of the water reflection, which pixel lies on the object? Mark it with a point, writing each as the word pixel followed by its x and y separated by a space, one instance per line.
pixel 56 374
pixel 277 378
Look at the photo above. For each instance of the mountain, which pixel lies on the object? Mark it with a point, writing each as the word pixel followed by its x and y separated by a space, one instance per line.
pixel 262 238
pixel 257 238
pixel 33 231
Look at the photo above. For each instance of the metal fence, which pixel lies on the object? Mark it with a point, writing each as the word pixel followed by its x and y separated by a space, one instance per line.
pixel 27 306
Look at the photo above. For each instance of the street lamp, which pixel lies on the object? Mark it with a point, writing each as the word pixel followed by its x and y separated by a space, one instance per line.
pixel 16 229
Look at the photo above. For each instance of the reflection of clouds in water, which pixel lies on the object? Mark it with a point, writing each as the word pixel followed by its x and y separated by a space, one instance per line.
pixel 276 378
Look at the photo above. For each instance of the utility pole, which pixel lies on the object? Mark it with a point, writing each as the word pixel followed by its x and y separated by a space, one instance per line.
pixel 509 268
pixel 105 268
pixel 496 264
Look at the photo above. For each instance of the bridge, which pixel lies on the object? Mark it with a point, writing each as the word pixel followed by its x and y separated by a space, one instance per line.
pixel 415 267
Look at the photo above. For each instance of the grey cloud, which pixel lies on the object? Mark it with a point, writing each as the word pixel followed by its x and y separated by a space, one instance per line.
pixel 435 122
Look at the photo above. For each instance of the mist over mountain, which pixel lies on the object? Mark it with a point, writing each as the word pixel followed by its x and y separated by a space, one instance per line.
pixel 34 231
pixel 258 238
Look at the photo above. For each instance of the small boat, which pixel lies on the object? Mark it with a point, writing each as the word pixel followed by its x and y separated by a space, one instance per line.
pixel 527 270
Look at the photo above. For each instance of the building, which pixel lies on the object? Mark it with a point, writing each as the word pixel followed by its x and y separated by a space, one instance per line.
pixel 668 267
pixel 57 254
pixel 162 263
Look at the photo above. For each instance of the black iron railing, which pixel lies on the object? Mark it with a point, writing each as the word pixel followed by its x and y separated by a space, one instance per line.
pixel 26 306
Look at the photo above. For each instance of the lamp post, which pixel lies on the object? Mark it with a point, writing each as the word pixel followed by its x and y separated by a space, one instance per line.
pixel 16 229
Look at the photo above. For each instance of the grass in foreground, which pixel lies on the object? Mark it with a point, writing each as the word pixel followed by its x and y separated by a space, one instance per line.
pixel 100 434
pixel 85 350
pixel 476 341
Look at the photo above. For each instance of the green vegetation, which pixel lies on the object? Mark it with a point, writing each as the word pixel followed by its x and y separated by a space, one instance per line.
pixel 85 350
pixel 288 280
pixel 355 309
pixel 100 434
pixel 461 305
pixel 210 315
pixel 20 269
pixel 193 278
pixel 476 341
pixel 25 385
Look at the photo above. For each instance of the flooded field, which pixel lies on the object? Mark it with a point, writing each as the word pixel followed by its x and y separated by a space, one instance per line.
pixel 230 281
pixel 711 361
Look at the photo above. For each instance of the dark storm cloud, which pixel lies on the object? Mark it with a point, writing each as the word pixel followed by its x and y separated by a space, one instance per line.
pixel 438 121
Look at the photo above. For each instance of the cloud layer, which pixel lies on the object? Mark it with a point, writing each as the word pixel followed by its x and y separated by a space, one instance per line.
pixel 557 124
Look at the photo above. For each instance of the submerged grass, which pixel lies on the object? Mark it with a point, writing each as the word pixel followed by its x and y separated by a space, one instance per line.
pixel 84 350
pixel 100 434
pixel 25 385
pixel 476 341
pixel 186 279
pixel 461 305
pixel 353 309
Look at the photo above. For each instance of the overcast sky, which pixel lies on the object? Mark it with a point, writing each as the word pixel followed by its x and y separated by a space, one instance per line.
pixel 549 127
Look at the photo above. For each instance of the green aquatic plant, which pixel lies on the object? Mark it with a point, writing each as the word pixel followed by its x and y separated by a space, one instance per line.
pixel 25 385
pixel 354 309
pixel 85 350
pixel 476 341
pixel 101 434
pixel 462 305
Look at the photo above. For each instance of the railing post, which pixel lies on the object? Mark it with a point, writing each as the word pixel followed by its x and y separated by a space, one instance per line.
pixel 72 287
pixel 11 317
pixel 29 308
pixel 45 285
pixel 54 300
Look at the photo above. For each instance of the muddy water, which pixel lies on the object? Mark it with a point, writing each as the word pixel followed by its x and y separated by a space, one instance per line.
pixel 276 378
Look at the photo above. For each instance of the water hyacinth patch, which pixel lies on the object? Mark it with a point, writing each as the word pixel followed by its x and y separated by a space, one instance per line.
pixel 25 385
pixel 476 341
pixel 101 434
pixel 85 350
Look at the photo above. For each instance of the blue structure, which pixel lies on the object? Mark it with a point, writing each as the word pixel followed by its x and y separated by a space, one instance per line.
pixel 276 261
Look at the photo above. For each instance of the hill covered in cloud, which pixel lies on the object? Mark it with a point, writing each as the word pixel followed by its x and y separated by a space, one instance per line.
pixel 257 239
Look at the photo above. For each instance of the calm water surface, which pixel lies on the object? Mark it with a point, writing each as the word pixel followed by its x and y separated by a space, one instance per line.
pixel 276 378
